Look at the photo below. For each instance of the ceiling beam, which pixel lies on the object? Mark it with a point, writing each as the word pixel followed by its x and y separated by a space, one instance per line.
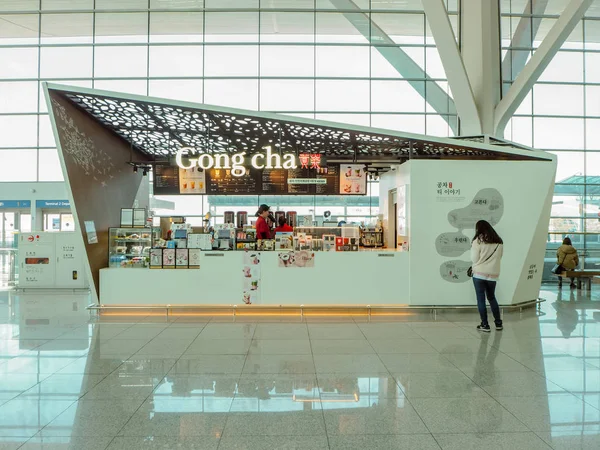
pixel 431 92
pixel 557 35
pixel 445 41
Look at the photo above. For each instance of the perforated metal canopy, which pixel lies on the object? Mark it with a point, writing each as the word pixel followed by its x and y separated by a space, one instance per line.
pixel 159 128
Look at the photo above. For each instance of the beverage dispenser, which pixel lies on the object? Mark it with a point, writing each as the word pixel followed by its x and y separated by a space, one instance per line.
pixel 292 218
pixel 242 219
pixel 228 217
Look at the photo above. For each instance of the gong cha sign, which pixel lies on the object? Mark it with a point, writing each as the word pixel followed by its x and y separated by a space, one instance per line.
pixel 235 162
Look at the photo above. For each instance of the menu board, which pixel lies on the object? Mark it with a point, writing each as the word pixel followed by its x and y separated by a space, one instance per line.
pixel 166 180
pixel 222 182
pixel 301 181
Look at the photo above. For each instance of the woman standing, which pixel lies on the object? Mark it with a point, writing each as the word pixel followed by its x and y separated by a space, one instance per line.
pixel 486 254
pixel 567 258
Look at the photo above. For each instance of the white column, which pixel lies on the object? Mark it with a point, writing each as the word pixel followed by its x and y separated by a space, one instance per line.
pixel 480 48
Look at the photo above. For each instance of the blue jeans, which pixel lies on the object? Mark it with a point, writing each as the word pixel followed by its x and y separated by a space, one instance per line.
pixel 483 288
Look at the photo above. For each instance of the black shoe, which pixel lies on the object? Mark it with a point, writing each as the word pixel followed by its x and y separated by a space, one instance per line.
pixel 484 328
pixel 560 285
pixel 572 285
pixel 499 327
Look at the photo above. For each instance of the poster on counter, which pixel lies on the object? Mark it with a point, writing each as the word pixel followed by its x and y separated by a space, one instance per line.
pixel 251 278
pixel 168 258
pixel 353 179
pixel 181 258
pixel 300 258
pixel 156 258
pixel 192 181
pixel 194 258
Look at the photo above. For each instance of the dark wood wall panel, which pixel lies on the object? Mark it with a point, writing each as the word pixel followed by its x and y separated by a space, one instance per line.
pixel 99 178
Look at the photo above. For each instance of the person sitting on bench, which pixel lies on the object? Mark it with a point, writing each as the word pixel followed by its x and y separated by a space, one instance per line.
pixel 567 258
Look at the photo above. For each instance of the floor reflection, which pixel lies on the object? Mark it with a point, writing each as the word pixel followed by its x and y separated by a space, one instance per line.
pixel 68 380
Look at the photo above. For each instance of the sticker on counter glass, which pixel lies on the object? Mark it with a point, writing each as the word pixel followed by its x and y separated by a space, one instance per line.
pixel 251 276
pixel 300 258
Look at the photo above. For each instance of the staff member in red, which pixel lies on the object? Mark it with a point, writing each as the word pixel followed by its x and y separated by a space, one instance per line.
pixel 263 231
pixel 283 226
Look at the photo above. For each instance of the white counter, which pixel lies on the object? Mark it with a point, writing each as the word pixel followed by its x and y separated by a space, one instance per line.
pixel 337 278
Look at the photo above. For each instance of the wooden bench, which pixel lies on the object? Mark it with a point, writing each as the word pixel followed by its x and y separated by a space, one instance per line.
pixel 581 275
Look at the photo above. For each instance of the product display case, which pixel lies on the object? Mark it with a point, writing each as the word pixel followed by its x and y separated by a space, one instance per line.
pixel 129 247
pixel 371 237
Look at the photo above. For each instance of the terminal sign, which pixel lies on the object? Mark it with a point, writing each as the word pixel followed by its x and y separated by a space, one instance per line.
pixel 235 162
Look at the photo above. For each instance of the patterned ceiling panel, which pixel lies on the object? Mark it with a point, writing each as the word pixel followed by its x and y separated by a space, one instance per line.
pixel 159 130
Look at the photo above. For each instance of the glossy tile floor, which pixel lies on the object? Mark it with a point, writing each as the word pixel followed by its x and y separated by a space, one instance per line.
pixel 68 381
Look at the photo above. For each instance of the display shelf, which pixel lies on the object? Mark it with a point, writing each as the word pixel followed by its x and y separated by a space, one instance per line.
pixel 120 247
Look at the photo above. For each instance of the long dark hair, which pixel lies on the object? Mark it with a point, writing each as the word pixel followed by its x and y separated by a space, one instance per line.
pixel 486 233
pixel 567 241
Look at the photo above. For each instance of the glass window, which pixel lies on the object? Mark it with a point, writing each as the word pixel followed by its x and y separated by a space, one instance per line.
pixel 400 28
pixel 18 165
pixel 170 4
pixel 176 61
pixel 389 62
pixel 559 133
pixel 522 130
pixel 19 5
pixel 186 90
pixel 65 5
pixel 50 169
pixel 592 101
pixel 340 28
pixel 592 168
pixel 592 67
pixel 342 95
pixel 66 62
pixel 295 4
pixel 122 4
pixel 397 96
pixel 287 27
pixel 567 205
pixel 81 83
pixel 592 134
pixel 297 61
pixel 231 60
pixel 19 29
pixel 556 68
pixel 346 61
pixel 565 225
pixel 121 27
pixel 435 68
pixel 121 62
pixel 526 106
pixel 18 97
pixel 436 125
pixel 231 26
pixel 137 87
pixel 410 123
pixel 19 62
pixel 67 28
pixel 18 131
pixel 557 99
pixel 176 26
pixel 405 5
pixel 570 164
pixel 46 138
pixel 231 4
pixel 353 119
pixel 287 95
pixel 232 93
